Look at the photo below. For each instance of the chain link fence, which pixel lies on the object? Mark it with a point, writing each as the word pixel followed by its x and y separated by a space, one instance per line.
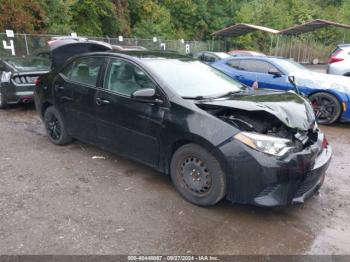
pixel 30 44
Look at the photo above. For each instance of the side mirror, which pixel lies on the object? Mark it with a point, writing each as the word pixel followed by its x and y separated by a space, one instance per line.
pixel 291 79
pixel 146 95
pixel 274 72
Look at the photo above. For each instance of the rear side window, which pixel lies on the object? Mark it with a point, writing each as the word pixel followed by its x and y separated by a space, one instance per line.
pixel 209 58
pixel 234 64
pixel 84 70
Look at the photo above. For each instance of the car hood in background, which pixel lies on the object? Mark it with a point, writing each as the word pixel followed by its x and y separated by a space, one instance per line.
pixel 288 107
pixel 322 81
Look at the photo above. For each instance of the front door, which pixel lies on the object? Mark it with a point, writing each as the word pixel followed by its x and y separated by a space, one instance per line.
pixel 127 126
pixel 75 90
pixel 260 73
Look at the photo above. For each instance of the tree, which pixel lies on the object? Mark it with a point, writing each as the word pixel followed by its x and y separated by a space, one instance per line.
pixel 94 18
pixel 22 16
pixel 150 19
pixel 56 22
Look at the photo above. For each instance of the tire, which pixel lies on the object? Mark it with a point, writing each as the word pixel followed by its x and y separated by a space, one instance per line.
pixel 197 175
pixel 3 103
pixel 326 106
pixel 55 128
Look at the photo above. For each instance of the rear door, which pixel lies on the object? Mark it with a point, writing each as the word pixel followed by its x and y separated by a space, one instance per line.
pixel 75 90
pixel 124 125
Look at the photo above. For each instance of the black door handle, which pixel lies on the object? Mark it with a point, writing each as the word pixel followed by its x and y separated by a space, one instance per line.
pixel 59 88
pixel 100 101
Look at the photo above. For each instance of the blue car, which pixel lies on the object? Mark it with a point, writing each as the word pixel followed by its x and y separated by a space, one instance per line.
pixel 328 94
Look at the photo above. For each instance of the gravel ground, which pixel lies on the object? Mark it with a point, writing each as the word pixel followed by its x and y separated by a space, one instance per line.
pixel 62 200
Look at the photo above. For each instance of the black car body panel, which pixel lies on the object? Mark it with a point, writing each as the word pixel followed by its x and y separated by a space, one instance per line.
pixel 150 132
pixel 63 49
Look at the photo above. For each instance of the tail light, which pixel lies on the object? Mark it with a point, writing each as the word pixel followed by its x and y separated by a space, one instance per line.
pixel 50 42
pixel 325 143
pixel 37 81
pixel 333 58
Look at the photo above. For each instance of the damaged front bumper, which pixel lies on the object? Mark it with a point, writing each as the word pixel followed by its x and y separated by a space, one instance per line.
pixel 259 179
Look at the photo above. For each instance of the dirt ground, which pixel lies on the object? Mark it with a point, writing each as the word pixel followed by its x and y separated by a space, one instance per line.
pixel 62 200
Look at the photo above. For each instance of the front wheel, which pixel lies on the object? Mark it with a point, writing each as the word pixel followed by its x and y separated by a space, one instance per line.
pixel 197 175
pixel 326 106
pixel 55 128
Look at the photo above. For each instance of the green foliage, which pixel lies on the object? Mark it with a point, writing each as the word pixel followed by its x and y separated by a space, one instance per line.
pixel 171 19
pixel 56 22
pixel 150 19
pixel 22 16
pixel 94 17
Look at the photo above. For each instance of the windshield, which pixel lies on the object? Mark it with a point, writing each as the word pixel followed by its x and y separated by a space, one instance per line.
pixel 190 78
pixel 289 66
pixel 29 63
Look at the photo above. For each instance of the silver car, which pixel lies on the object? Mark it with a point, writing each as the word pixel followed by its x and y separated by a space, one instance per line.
pixel 339 61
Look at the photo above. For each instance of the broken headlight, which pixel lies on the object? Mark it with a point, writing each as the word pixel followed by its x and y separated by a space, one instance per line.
pixel 267 144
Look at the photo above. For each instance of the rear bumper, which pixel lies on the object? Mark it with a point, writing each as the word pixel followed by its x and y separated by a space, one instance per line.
pixel 17 94
pixel 256 178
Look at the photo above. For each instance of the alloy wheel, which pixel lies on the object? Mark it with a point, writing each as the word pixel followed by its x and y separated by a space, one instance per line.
pixel 53 127
pixel 326 109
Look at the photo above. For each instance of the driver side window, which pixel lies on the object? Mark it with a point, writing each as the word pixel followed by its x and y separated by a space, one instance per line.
pixel 125 78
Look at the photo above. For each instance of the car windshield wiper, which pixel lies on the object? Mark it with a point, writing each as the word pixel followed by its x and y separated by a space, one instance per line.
pixel 197 97
pixel 214 97
pixel 231 93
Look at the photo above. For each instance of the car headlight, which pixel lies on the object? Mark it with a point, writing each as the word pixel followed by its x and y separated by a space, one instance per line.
pixel 267 144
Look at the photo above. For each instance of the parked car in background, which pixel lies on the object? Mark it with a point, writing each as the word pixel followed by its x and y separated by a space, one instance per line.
pixel 329 95
pixel 244 53
pixel 339 61
pixel 17 78
pixel 212 135
pixel 210 57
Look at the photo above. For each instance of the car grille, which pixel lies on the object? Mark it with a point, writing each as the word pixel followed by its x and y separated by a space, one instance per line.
pixel 307 184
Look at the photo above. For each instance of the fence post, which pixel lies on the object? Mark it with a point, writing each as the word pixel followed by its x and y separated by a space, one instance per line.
pixel 26 42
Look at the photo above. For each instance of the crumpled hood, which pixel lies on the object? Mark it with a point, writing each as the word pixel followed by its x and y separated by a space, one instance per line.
pixel 322 81
pixel 291 109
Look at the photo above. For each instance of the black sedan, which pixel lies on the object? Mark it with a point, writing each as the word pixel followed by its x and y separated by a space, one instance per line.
pixel 17 78
pixel 215 137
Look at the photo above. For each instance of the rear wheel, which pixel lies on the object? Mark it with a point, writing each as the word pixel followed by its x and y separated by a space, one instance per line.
pixel 55 127
pixel 3 103
pixel 197 175
pixel 326 106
